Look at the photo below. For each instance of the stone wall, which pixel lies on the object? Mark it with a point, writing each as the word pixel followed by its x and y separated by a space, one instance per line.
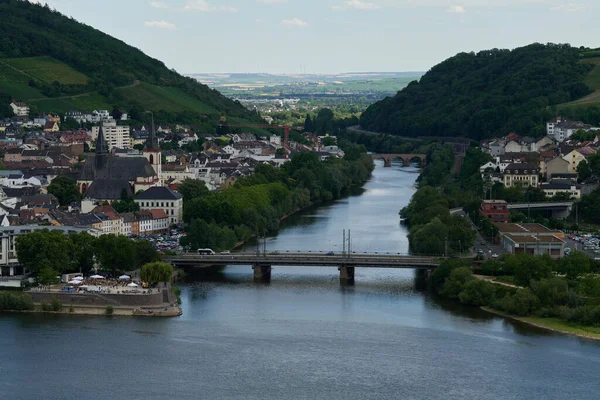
pixel 100 300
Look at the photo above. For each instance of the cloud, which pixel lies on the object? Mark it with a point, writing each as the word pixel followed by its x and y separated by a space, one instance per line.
pixel 272 1
pixel 158 4
pixel 570 7
pixel 295 22
pixel 160 25
pixel 456 9
pixel 204 6
pixel 356 5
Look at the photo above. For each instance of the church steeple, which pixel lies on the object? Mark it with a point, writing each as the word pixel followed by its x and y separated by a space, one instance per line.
pixel 101 150
pixel 152 141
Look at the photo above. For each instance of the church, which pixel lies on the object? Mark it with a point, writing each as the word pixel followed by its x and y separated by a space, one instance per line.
pixel 106 177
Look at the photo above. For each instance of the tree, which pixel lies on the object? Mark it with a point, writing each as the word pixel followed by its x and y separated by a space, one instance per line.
pixel 192 188
pixel 328 141
pixel 115 253
pixel 575 264
pixel 308 124
pixel 584 171
pixel 65 190
pixel 531 268
pixel 46 249
pixel 47 276
pixel 83 251
pixel 324 122
pixel 145 252
pixel 157 271
pixel 429 239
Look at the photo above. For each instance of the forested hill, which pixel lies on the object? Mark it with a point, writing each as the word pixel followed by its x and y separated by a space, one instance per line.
pixel 485 94
pixel 57 63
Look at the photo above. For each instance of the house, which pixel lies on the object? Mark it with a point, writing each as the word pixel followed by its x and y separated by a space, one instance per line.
pixel 542 143
pixel 563 130
pixel 531 239
pixel 20 109
pixel 162 198
pixel 557 165
pixel 574 157
pixel 51 126
pixel 569 189
pixel 490 165
pixel 494 210
pixel 521 174
pixel 160 221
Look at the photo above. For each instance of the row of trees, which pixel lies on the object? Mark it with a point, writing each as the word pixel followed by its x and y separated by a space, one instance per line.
pixel 257 203
pixel 571 295
pixel 49 253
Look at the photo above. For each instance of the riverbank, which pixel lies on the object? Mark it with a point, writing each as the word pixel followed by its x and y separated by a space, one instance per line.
pixel 171 311
pixel 552 324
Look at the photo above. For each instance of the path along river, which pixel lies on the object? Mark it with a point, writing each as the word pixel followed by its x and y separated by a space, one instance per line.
pixel 302 336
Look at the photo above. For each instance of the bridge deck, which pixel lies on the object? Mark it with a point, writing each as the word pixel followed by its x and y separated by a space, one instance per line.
pixel 306 260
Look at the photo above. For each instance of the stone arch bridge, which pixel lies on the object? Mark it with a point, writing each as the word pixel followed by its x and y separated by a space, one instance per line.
pixel 406 158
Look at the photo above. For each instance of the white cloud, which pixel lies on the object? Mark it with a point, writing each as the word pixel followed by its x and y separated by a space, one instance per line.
pixel 294 22
pixel 160 25
pixel 457 9
pixel 204 6
pixel 272 1
pixel 570 7
pixel 158 4
pixel 356 5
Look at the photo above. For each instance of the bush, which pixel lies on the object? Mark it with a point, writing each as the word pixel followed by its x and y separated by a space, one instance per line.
pixel 109 310
pixel 15 302
pixel 55 305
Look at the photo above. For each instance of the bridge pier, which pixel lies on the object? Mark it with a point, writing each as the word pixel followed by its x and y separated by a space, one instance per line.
pixel 346 275
pixel 387 162
pixel 262 273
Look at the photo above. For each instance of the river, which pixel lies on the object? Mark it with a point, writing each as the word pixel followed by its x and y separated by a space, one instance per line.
pixel 302 336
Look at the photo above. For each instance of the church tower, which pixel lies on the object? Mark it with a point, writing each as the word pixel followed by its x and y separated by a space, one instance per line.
pixel 153 153
pixel 101 158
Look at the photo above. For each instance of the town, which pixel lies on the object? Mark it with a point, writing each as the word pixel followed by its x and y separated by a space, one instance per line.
pixel 115 162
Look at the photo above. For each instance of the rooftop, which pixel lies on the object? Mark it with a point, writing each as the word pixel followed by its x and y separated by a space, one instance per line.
pixel 510 228
pixel 158 193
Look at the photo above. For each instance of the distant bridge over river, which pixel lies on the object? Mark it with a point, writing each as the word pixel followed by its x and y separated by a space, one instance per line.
pixel 406 159
pixel 345 263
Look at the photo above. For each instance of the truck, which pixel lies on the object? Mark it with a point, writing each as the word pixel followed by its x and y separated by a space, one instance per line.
pixel 64 278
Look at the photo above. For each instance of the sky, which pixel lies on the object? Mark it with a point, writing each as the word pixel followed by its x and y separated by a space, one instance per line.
pixel 331 36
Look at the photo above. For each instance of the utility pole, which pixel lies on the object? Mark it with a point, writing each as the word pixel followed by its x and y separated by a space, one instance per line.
pixel 265 243
pixel 257 243
pixel 344 242
pixel 349 245
pixel 446 247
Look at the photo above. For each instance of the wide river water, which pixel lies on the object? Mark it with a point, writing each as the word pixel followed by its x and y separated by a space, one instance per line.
pixel 302 336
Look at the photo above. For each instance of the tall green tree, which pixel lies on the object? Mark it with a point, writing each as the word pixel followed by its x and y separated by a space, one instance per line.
pixel 157 271
pixel 65 190
pixel 46 249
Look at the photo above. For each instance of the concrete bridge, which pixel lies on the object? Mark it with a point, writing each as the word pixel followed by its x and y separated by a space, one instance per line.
pixel 559 210
pixel 406 158
pixel 261 263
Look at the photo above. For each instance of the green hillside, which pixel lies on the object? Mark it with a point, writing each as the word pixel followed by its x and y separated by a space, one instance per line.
pixel 487 94
pixel 57 64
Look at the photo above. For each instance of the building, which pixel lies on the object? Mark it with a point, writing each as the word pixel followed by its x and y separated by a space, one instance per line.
pixel 163 198
pixel 494 210
pixel 557 165
pixel 521 174
pixel 555 187
pixel 574 157
pixel 116 136
pixel 105 177
pixel 20 109
pixel 531 239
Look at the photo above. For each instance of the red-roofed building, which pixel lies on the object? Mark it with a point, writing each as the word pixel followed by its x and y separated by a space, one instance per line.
pixel 160 221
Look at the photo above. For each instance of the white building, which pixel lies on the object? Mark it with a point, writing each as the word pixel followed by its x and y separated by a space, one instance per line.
pixel 116 136
pixel 20 109
pixel 162 198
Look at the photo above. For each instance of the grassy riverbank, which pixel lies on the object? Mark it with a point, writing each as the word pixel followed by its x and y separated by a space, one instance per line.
pixel 552 324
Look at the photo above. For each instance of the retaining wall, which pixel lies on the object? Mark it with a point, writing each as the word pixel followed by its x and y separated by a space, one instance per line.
pixel 93 299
